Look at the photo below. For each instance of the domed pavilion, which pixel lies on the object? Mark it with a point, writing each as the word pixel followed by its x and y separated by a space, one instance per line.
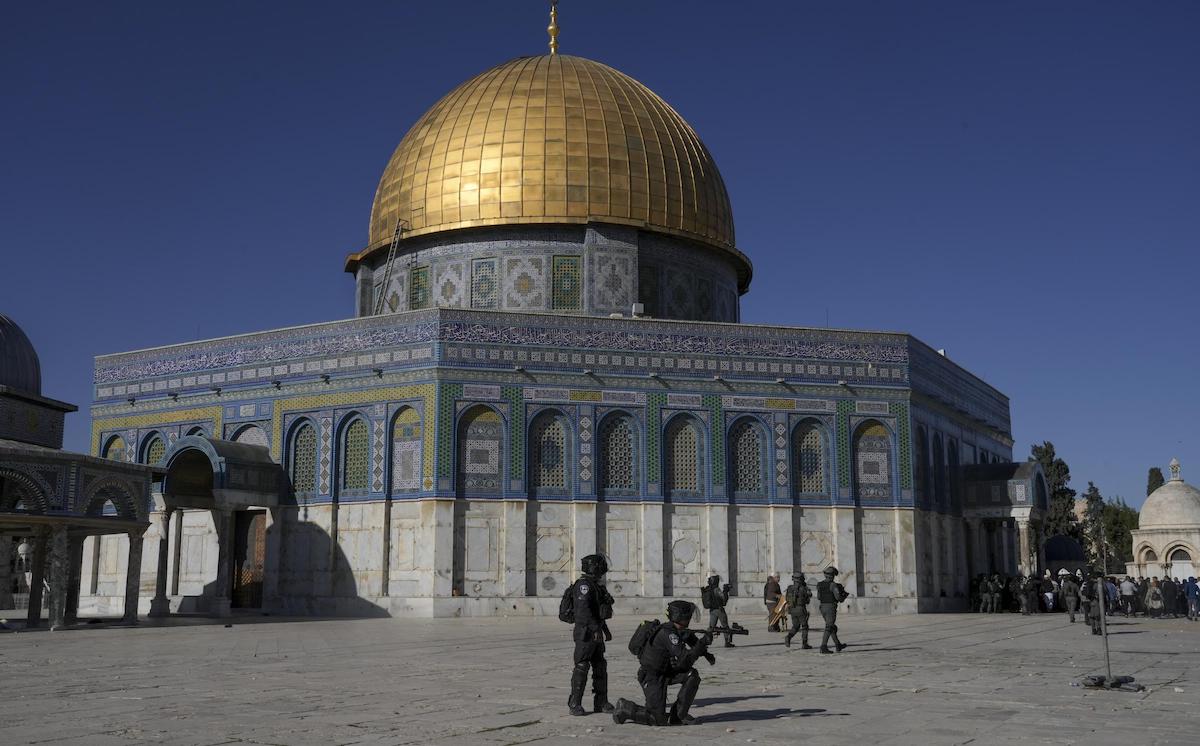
pixel 547 361
pixel 51 500
pixel 1166 542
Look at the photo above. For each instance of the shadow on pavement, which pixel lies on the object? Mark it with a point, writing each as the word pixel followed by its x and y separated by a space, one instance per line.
pixel 741 715
pixel 728 700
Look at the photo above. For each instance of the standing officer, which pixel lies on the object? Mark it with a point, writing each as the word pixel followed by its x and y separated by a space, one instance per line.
pixel 798 595
pixel 1070 592
pixel 714 599
pixel 1089 601
pixel 830 593
pixel 668 657
pixel 593 605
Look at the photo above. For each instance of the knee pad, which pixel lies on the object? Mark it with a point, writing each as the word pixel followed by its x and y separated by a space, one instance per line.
pixel 582 667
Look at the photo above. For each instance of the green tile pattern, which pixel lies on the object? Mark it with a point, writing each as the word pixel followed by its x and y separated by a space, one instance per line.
pixel 654 405
pixel 447 394
pixel 899 410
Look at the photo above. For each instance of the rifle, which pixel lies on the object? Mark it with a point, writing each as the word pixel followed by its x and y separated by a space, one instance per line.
pixel 733 629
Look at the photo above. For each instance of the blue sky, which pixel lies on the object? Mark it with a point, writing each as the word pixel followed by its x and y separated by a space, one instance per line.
pixel 1017 182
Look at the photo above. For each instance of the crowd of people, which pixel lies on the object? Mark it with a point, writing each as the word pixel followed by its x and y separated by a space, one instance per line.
pixel 1150 597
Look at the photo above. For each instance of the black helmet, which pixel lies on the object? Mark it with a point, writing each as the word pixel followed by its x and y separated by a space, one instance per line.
pixel 797 575
pixel 831 571
pixel 714 579
pixel 680 612
pixel 594 565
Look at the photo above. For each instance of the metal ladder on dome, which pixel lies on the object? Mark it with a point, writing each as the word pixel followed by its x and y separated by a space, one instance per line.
pixel 387 272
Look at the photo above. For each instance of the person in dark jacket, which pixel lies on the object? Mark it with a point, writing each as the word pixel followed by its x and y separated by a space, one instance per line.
pixel 1169 593
pixel 668 657
pixel 1068 590
pixel 830 593
pixel 771 595
pixel 798 596
pixel 715 596
pixel 593 605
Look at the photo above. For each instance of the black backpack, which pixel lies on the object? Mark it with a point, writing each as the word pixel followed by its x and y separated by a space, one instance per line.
pixel 706 597
pixel 566 607
pixel 643 635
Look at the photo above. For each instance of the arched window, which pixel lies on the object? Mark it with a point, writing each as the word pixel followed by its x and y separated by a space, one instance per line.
pixel 407 449
pixel 618 466
pixel 922 466
pixel 252 435
pixel 808 459
pixel 548 453
pixel 873 461
pixel 115 449
pixel 480 446
pixel 746 458
pixel 154 451
pixel 303 459
pixel 939 472
pixel 1150 556
pixel 682 462
pixel 356 455
pixel 1180 555
pixel 199 431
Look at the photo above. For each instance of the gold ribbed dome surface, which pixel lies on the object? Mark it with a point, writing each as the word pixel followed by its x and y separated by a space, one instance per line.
pixel 552 139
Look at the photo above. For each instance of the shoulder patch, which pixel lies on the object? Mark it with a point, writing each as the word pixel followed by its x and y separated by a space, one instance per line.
pixel 583 589
pixel 674 638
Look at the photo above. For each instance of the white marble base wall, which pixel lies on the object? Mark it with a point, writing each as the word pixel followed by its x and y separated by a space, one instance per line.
pixel 472 557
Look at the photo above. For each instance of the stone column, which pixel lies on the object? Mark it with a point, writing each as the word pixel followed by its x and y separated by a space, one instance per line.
pixel 74 577
pixel 37 577
pixel 583 528
pixel 717 532
pixel 6 554
pixel 160 605
pixel 220 598
pixel 516 535
pixel 783 559
pixel 653 569
pixel 435 554
pixel 1006 545
pixel 176 552
pixel 60 572
pixel 1023 535
pixel 385 550
pixel 274 562
pixel 133 577
pixel 933 522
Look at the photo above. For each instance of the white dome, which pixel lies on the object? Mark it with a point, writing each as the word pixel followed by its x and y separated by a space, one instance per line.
pixel 1174 505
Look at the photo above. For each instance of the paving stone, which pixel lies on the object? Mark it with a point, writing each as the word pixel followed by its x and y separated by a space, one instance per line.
pixel 933 679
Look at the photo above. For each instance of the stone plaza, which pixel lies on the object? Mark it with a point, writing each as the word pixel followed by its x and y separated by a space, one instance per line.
pixel 936 679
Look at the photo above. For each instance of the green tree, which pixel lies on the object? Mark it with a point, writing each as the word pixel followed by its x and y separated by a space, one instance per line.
pixel 1093 515
pixel 1060 518
pixel 1119 521
pixel 1154 480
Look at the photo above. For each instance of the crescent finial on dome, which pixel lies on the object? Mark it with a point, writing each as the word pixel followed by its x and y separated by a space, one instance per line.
pixel 552 29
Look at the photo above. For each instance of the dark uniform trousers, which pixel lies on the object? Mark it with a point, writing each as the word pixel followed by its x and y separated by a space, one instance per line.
pixel 829 614
pixel 718 617
pixel 800 623
pixel 654 687
pixel 590 655
pixel 1072 603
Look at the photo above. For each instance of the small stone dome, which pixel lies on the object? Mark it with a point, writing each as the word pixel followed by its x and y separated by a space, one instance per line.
pixel 19 366
pixel 1173 505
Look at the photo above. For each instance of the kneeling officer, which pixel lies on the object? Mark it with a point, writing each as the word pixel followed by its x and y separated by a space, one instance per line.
pixel 667 654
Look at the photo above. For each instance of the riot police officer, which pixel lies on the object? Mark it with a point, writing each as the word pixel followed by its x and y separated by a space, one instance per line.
pixel 592 606
pixel 714 599
pixel 830 593
pixel 667 656
pixel 798 595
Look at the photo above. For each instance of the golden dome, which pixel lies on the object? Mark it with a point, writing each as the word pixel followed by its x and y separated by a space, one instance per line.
pixel 553 139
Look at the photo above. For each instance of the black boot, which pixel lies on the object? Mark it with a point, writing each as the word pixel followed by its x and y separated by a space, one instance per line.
pixel 575 701
pixel 600 703
pixel 623 711
pixel 787 641
pixel 804 642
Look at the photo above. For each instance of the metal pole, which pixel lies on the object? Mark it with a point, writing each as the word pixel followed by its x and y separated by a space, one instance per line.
pixel 1103 603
